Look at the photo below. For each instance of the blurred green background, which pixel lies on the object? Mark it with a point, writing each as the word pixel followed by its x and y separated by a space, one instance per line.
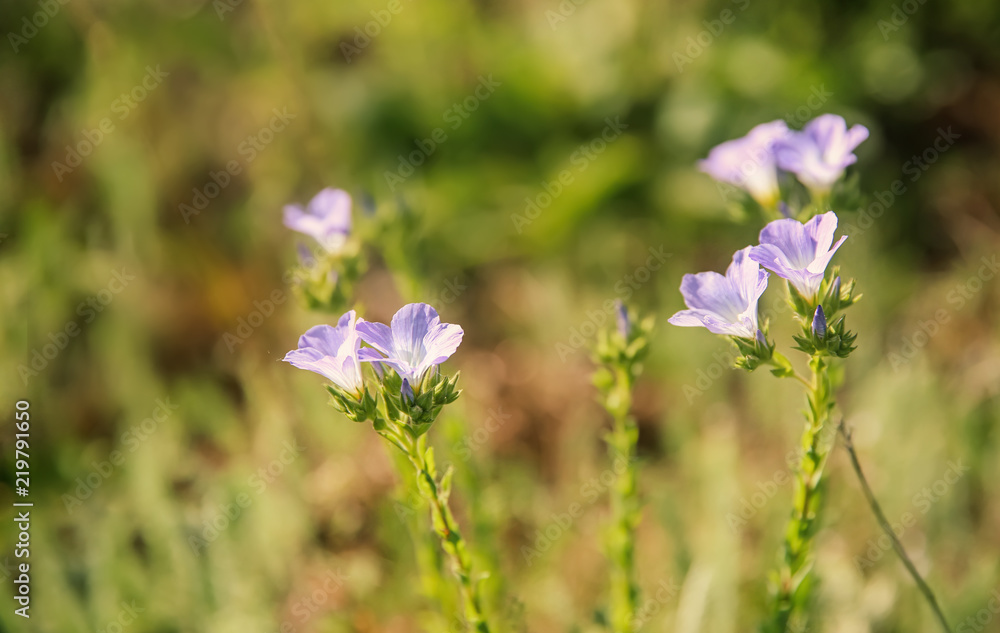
pixel 184 483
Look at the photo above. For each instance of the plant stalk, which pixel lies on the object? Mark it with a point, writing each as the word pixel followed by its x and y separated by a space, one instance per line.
pixel 794 579
pixel 624 506
pixel 444 524
pixel 922 585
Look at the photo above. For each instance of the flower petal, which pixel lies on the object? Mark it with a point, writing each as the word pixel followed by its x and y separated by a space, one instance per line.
pixel 818 267
pixel 799 253
pixel 331 352
pixel 819 153
pixel 298 220
pixel 710 321
pixel 711 292
pixel 441 342
pixel 410 325
pixel 325 339
pixel 333 206
pixel 378 335
pixel 820 230
pixel 746 277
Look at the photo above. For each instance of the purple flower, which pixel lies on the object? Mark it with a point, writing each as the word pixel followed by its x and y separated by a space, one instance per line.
pixel 327 218
pixel 799 252
pixel 724 304
pixel 416 341
pixel 748 162
pixel 819 154
pixel 332 352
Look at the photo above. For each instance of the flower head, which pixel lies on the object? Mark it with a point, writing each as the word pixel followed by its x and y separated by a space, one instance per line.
pixel 416 341
pixel 327 218
pixel 331 352
pixel 748 162
pixel 799 252
pixel 724 304
pixel 819 154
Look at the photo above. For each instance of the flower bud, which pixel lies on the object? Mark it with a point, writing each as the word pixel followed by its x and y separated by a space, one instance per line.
pixel 624 324
pixel 306 258
pixel 406 391
pixel 761 339
pixel 819 323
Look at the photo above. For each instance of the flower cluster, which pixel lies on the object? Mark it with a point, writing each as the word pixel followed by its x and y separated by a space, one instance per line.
pixel 817 156
pixel 618 354
pixel 404 357
pixel 326 273
pixel 799 253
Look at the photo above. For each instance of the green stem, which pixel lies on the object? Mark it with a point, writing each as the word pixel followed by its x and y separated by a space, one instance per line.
pixel 925 589
pixel 435 583
pixel 793 583
pixel 624 507
pixel 446 527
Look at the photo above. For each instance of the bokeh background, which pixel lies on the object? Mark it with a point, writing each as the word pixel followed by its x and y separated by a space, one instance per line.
pixel 309 518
